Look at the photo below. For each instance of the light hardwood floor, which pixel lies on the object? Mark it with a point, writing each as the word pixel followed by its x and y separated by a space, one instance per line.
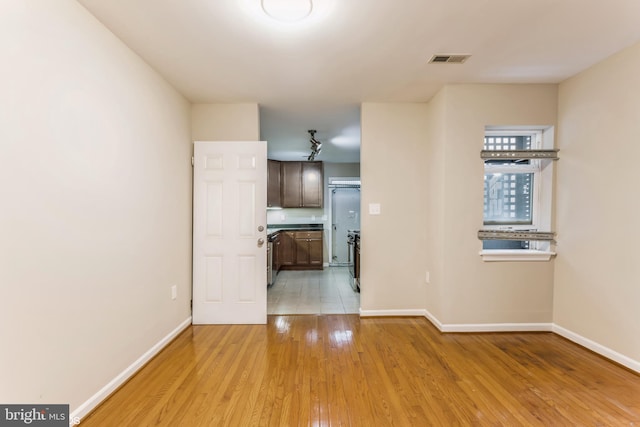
pixel 340 370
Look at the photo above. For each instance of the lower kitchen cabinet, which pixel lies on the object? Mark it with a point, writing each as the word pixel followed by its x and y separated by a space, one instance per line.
pixel 286 251
pixel 299 250
pixel 309 248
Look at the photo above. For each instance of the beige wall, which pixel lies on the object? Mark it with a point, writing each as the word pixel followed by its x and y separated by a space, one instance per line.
pixel 475 291
pixel 597 273
pixel 421 162
pixel 225 122
pixel 95 178
pixel 393 174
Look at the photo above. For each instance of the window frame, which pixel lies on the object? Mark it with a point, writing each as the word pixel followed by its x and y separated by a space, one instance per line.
pixel 534 166
pixel 541 200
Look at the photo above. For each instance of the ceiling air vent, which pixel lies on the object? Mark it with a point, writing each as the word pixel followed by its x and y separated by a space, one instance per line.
pixel 451 59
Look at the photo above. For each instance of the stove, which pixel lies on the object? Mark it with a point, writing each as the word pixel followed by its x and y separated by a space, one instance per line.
pixel 353 260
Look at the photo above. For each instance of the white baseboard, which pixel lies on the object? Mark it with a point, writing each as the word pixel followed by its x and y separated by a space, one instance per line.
pixel 497 327
pixel 606 352
pixel 480 327
pixel 628 362
pixel 433 319
pixel 488 327
pixel 390 313
pixel 121 378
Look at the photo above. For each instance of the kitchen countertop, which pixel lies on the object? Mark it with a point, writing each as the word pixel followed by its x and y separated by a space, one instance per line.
pixel 273 228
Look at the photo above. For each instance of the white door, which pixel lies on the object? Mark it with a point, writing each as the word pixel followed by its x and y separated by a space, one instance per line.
pixel 345 215
pixel 229 232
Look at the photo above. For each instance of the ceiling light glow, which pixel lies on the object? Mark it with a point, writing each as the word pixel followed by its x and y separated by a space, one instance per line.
pixel 348 137
pixel 287 10
pixel 288 15
pixel 346 141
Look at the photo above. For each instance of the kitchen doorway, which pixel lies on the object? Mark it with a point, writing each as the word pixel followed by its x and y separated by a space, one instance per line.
pixel 330 290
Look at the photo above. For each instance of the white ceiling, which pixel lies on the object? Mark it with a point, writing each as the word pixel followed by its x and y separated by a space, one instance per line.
pixel 315 74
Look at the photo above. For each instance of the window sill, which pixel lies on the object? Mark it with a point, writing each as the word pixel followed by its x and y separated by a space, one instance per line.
pixel 491 255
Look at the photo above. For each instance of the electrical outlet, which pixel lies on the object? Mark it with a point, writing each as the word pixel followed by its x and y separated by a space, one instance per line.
pixel 427 278
pixel 174 292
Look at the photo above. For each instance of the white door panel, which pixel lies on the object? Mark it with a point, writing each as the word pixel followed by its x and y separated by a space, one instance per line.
pixel 345 206
pixel 229 233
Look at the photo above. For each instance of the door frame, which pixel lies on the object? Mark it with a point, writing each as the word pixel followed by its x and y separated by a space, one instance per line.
pixel 331 185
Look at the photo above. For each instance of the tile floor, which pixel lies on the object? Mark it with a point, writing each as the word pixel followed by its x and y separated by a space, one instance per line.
pixel 313 292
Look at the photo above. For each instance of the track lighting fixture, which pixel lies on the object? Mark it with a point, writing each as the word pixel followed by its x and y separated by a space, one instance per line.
pixel 316 146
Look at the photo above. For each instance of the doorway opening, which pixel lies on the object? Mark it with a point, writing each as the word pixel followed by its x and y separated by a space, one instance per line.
pixel 327 291
pixel 345 217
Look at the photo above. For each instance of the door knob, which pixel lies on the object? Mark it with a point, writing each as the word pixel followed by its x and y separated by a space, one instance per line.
pixel 260 242
pixel 260 228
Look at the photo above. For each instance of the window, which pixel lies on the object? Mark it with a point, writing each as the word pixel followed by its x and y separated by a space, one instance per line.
pixel 517 189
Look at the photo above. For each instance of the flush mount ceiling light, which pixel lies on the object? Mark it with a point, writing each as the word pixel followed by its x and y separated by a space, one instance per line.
pixel 287 10
pixel 316 146
pixel 288 16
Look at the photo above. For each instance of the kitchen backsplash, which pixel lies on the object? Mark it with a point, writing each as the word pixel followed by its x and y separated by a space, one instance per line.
pixel 296 216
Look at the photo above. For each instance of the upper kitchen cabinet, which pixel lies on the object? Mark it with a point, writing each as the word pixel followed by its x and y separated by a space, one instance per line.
pixel 312 182
pixel 302 184
pixel 273 184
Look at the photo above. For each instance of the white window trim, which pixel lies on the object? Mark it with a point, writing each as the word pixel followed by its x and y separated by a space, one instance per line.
pixel 492 255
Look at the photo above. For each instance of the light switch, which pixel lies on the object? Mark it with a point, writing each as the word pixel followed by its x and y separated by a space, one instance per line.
pixel 374 208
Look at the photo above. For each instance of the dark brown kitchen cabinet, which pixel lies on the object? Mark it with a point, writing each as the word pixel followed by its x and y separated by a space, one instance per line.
pixel 309 249
pixel 312 184
pixel 285 249
pixel 298 250
pixel 302 184
pixel 273 184
pixel 291 173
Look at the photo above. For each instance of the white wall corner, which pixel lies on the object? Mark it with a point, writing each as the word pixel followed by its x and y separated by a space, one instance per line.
pixel 434 320
pixel 606 352
pixel 130 371
pixel 623 360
